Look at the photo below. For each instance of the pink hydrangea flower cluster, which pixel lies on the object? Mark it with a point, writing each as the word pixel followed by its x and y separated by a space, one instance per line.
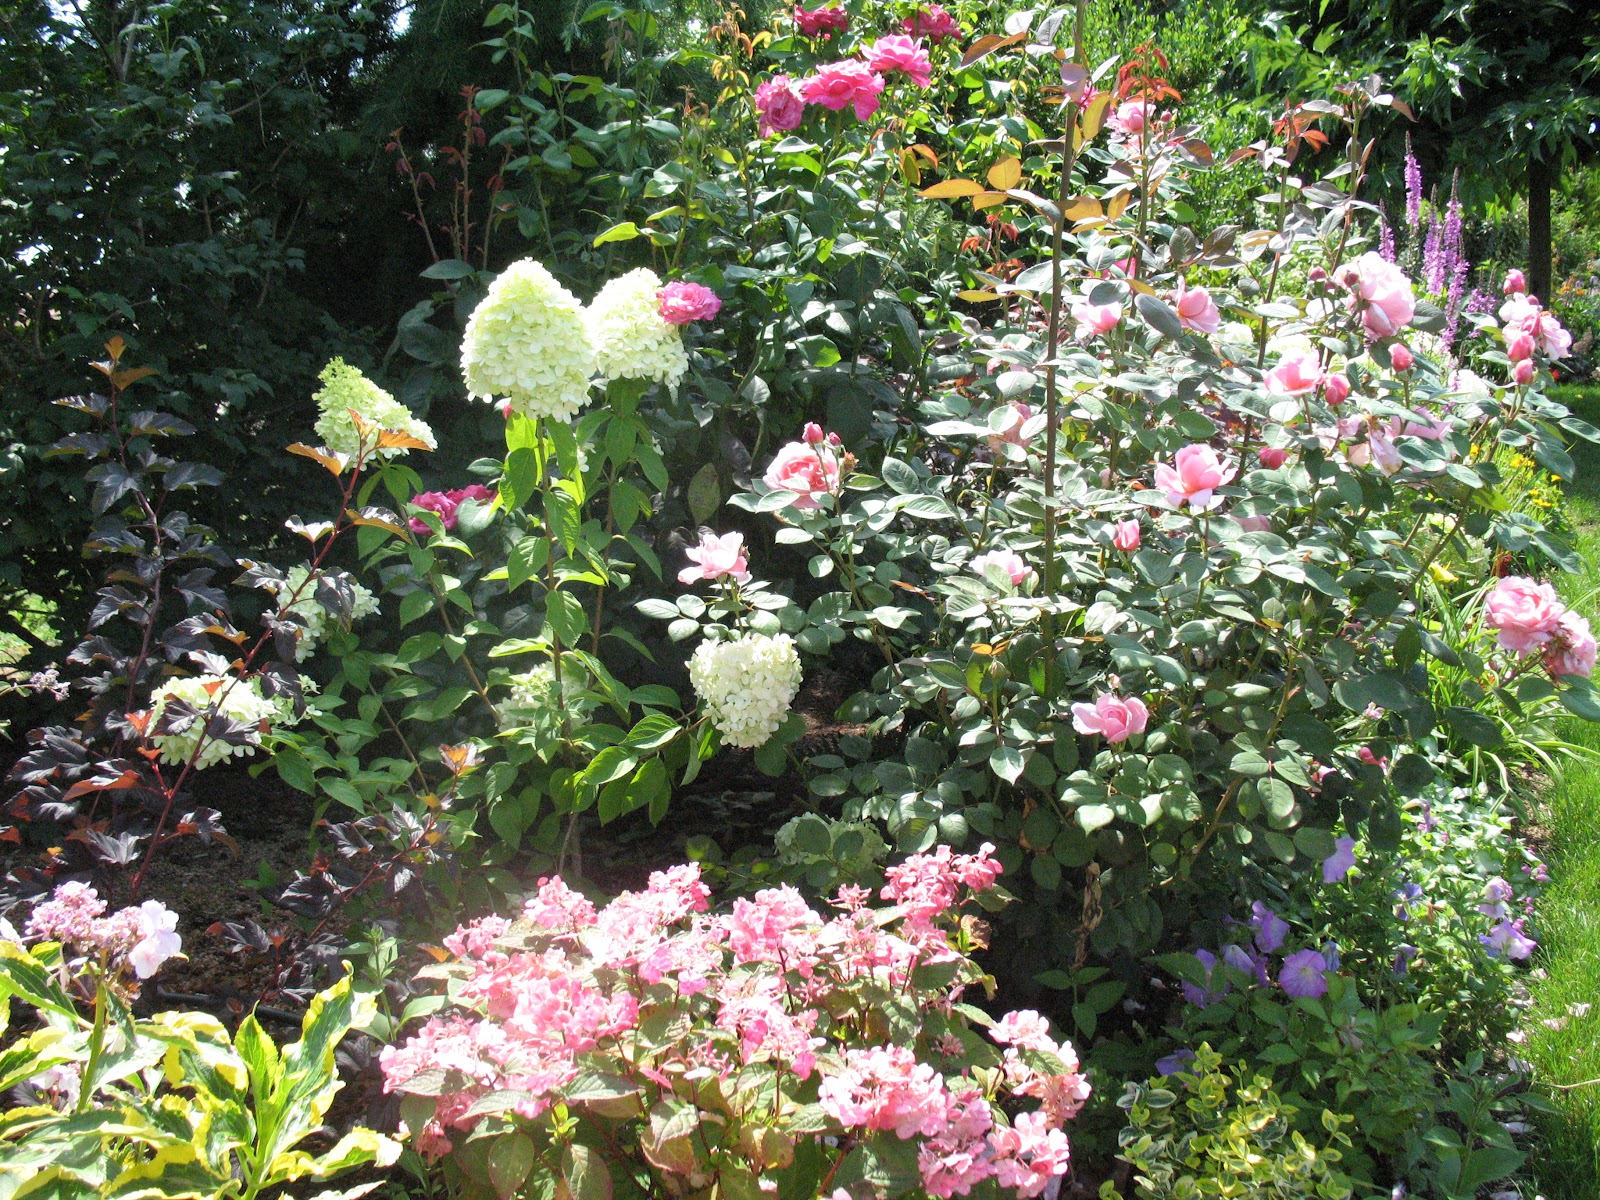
pixel 447 505
pixel 653 993
pixel 138 939
pixel 1528 617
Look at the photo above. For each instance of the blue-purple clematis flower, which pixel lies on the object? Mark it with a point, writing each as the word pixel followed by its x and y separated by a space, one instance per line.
pixel 1337 865
pixel 1304 974
pixel 1270 928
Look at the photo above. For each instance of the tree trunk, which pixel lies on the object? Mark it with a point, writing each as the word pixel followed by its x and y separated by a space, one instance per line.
pixel 1539 250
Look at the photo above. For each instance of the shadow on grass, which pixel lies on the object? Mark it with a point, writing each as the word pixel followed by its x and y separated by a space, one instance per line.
pixel 1566 1052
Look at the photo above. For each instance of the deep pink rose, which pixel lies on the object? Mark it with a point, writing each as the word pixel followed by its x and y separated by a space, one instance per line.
pixel 821 22
pixel 1525 614
pixel 447 505
pixel 807 471
pixel 681 302
pixel 1008 561
pixel 932 23
pixel 898 53
pixel 779 106
pixel 1523 372
pixel 716 556
pixel 1380 292
pixel 1516 281
pixel 1114 718
pixel 1400 357
pixel 1572 650
pixel 844 84
pixel 1336 388
pixel 1196 310
pixel 1127 536
pixel 1272 457
pixel 812 434
pixel 1296 375
pixel 1095 319
pixel 1192 476
pixel 1520 346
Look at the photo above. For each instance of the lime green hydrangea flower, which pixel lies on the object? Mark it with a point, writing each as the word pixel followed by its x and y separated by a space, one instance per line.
pixel 236 699
pixel 526 344
pixel 631 339
pixel 346 389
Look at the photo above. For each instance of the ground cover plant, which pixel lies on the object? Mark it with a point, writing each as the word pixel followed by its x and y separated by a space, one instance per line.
pixel 1193 581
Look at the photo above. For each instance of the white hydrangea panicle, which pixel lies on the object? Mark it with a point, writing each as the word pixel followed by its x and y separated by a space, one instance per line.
pixel 630 337
pixel 345 389
pixel 238 700
pixel 526 343
pixel 747 685
pixel 315 620
pixel 536 708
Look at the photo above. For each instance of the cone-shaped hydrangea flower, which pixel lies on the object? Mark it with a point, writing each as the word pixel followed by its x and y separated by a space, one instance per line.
pixel 345 389
pixel 239 701
pixel 314 618
pixel 630 337
pixel 526 342
pixel 747 685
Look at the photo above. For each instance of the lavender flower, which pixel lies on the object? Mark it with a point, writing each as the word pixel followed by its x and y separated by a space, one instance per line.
pixel 1496 895
pixel 1385 236
pixel 1408 899
pixel 1403 957
pixel 1271 929
pixel 1508 939
pixel 1175 1062
pixel 1303 974
pixel 1337 865
pixel 1216 986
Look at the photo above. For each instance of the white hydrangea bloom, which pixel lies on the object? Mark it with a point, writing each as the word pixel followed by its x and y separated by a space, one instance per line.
pixel 240 700
pixel 315 619
pixel 526 342
pixel 345 388
pixel 629 336
pixel 747 685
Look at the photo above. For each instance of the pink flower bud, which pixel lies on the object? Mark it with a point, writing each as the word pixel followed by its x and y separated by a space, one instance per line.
pixel 835 440
pixel 1272 457
pixel 812 434
pixel 1127 536
pixel 1520 347
pixel 1523 372
pixel 1336 388
pixel 1516 281
pixel 1400 358
pixel 1316 275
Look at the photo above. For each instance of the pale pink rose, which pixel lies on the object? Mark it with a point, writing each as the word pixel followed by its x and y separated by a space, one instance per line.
pixel 1525 614
pixel 1572 650
pixel 840 85
pixel 1095 319
pixel 1428 426
pixel 1523 372
pixel 1401 358
pixel 1336 388
pixel 1380 292
pixel 1272 457
pixel 1547 333
pixel 1008 561
pixel 1255 524
pixel 807 471
pixel 1127 536
pixel 1517 309
pixel 932 23
pixel 1385 455
pixel 896 53
pixel 1196 310
pixel 779 106
pixel 682 302
pixel 1520 346
pixel 1296 375
pixel 1516 281
pixel 1017 415
pixel 1113 717
pixel 1131 117
pixel 1194 473
pixel 716 556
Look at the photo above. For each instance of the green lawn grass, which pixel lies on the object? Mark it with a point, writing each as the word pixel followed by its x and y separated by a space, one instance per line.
pixel 1567 1163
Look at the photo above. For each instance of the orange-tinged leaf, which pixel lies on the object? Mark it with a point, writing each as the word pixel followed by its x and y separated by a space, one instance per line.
pixel 988 44
pixel 927 153
pixel 127 779
pixel 378 518
pixel 1117 205
pixel 985 200
pixel 975 296
pixel 124 379
pixel 1083 208
pixel 331 459
pixel 910 168
pixel 115 347
pixel 1095 115
pixel 393 439
pixel 1006 173
pixel 948 189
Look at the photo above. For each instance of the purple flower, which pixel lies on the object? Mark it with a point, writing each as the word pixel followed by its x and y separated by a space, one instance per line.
pixel 1408 899
pixel 1403 957
pixel 1203 997
pixel 1337 865
pixel 1271 929
pixel 1507 938
pixel 1496 895
pixel 1413 187
pixel 1246 963
pixel 1385 238
pixel 1174 1062
pixel 1330 955
pixel 1303 974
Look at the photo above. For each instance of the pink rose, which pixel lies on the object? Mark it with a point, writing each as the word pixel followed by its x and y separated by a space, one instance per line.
pixel 807 471
pixel 1385 454
pixel 821 22
pixel 1255 524
pixel 1272 457
pixel 1017 415
pixel 1008 561
pixel 932 23
pixel 1336 388
pixel 1572 650
pixel 779 106
pixel 1192 476
pixel 1196 310
pixel 1516 281
pixel 1526 614
pixel 680 303
pixel 1095 319
pixel 812 434
pixel 897 53
pixel 439 503
pixel 1295 376
pixel 1127 536
pixel 1400 358
pixel 1523 372
pixel 1520 346
pixel 716 556
pixel 1545 330
pixel 841 84
pixel 1131 117
pixel 1112 717
pixel 1380 292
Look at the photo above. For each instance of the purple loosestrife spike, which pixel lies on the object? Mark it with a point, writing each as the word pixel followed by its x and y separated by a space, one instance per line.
pixel 1413 188
pixel 1385 238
